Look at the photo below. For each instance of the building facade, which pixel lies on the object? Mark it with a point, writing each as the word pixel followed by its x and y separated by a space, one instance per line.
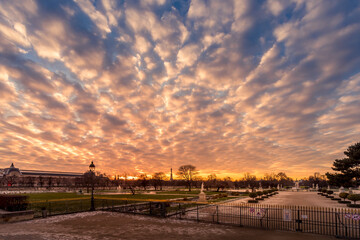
pixel 12 177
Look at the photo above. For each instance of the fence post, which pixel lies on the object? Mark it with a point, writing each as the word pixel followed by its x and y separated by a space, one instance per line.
pixel 163 209
pixel 240 214
pixel 49 208
pixel 298 220
pixel 336 225
pixel 217 213
pixel 150 211
pixel 197 212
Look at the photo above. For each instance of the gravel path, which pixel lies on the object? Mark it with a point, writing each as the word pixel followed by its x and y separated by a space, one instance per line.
pixel 105 225
pixel 298 198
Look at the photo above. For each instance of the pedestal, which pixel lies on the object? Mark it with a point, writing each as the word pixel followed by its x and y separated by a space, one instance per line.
pixel 202 197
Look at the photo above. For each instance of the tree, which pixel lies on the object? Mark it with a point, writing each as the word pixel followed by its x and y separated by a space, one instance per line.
pixel 283 179
pixel 347 170
pixel 143 180
pixel 249 180
pixel 187 172
pixel 343 195
pixel 158 179
pixel 211 181
pixel 253 195
pixel 354 197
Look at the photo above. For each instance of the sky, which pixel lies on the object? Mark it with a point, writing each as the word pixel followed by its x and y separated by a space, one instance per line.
pixel 144 86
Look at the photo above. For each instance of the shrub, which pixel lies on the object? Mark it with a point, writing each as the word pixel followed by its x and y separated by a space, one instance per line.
pixel 259 193
pixel 343 195
pixel 252 201
pixel 323 190
pixel 253 195
pixel 13 202
pixel 354 197
pixel 353 205
pixel 329 192
pixel 235 194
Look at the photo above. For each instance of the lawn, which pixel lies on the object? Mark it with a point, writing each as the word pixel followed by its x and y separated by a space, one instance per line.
pixel 43 197
pixel 196 192
pixel 60 203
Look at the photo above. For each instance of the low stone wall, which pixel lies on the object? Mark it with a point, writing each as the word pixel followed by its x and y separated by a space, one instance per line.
pixel 6 217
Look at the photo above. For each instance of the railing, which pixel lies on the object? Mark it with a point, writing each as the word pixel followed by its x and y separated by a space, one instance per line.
pixel 339 222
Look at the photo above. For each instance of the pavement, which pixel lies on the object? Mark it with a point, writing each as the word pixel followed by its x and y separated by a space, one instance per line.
pixel 298 198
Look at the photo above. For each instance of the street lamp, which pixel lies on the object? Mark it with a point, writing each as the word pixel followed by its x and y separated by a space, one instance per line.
pixel 92 172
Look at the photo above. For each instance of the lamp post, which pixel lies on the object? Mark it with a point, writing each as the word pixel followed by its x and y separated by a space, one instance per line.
pixel 92 172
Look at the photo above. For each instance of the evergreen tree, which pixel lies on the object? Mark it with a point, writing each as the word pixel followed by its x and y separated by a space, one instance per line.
pixel 347 169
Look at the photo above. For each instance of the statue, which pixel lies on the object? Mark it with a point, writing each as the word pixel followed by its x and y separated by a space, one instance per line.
pixel 202 195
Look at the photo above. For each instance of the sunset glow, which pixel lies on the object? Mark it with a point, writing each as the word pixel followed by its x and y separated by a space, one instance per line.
pixel 144 86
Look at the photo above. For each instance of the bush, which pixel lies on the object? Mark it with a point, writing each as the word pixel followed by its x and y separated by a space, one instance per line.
pixel 252 201
pixel 354 197
pixel 323 190
pixel 235 194
pixel 353 205
pixel 13 202
pixel 343 195
pixel 259 193
pixel 329 192
pixel 253 195
pixel 344 201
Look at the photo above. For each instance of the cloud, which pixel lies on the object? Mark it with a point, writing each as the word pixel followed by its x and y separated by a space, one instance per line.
pixel 143 86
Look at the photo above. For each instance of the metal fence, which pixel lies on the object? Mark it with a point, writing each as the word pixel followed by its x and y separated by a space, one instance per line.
pixel 339 222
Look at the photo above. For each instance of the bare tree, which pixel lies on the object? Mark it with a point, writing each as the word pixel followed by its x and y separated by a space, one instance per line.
pixel 143 181
pixel 211 181
pixel 187 172
pixel 158 179
pixel 250 180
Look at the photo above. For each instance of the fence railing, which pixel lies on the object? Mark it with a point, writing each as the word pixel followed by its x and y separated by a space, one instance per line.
pixel 339 222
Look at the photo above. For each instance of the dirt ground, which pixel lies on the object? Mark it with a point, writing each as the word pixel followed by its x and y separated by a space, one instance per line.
pixel 106 225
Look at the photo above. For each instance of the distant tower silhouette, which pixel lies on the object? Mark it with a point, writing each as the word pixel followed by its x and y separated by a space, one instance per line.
pixel 171 176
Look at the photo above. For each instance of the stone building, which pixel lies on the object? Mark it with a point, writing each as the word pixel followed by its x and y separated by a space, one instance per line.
pixel 13 176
